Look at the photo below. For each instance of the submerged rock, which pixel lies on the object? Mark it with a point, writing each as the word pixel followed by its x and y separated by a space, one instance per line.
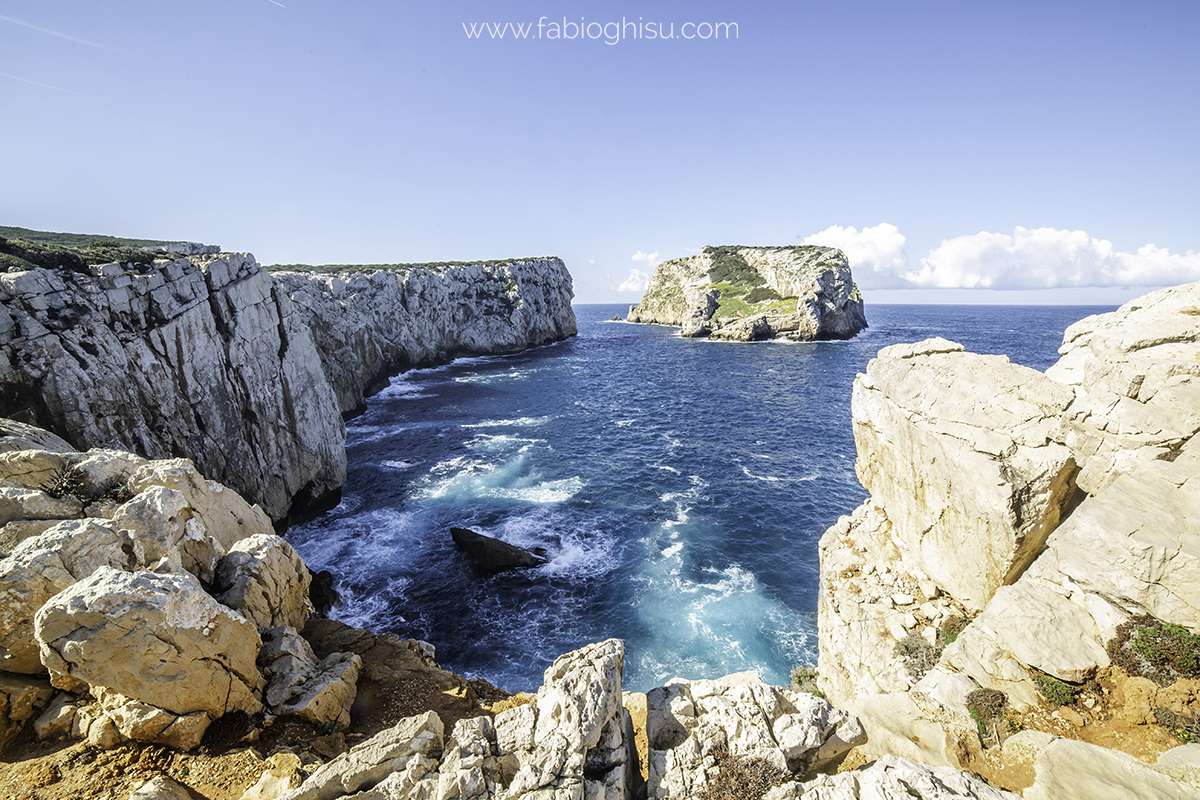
pixel 492 554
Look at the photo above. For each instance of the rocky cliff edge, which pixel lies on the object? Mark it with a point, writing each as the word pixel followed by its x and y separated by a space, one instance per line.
pixel 1017 521
pixel 213 359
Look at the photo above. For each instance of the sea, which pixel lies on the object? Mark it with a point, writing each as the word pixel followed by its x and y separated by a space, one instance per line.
pixel 679 488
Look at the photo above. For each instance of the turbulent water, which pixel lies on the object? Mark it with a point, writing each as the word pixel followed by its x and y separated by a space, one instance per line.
pixel 678 486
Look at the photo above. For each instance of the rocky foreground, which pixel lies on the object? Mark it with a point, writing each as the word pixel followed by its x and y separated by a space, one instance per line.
pixel 1031 537
pixel 749 294
pixel 209 357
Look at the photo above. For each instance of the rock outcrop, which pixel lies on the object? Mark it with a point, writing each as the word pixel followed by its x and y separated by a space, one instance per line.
pixel 694 727
pixel 369 326
pixel 201 357
pixel 493 555
pixel 1047 509
pixel 749 294
pixel 211 358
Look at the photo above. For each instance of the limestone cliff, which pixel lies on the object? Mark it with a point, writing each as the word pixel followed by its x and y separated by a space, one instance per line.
pixel 213 359
pixel 1046 508
pixel 202 358
pixel 802 292
pixel 369 326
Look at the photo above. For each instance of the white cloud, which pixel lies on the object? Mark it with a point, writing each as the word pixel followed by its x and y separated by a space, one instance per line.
pixel 636 282
pixel 1029 258
pixel 650 258
pixel 876 254
pixel 1045 258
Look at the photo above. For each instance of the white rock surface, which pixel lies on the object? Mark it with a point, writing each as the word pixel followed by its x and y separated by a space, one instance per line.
pixel 43 566
pixel 368 326
pixel 264 579
pixel 893 778
pixel 956 447
pixel 156 638
pixel 689 722
pixel 21 699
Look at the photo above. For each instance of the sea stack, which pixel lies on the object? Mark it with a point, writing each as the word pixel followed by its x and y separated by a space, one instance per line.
pixel 748 294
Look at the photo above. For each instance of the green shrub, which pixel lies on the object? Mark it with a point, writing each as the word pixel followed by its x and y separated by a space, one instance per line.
pixel 989 708
pixel 804 679
pixel 1060 693
pixel 951 628
pixel 761 293
pixel 742 778
pixel 326 728
pixel 65 481
pixel 1156 650
pixel 729 266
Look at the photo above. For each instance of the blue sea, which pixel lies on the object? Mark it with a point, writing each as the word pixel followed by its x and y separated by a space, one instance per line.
pixel 678 486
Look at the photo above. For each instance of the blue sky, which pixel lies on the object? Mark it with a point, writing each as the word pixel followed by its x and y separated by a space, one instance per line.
pixel 961 151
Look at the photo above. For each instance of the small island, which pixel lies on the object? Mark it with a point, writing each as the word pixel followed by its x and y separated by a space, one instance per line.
pixel 749 294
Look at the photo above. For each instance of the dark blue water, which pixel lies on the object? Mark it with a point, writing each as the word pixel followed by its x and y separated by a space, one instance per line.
pixel 680 487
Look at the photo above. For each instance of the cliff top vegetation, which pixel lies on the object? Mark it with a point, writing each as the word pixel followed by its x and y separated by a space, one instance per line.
pixel 431 265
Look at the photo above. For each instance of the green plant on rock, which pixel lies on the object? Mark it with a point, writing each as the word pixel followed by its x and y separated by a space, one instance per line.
pixel 326 728
pixel 1056 691
pixel 804 679
pixel 950 629
pixel 1156 650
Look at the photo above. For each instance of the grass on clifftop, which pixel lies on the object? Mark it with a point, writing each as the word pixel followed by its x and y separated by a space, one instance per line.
pixel 327 269
pixel 18 255
pixel 76 240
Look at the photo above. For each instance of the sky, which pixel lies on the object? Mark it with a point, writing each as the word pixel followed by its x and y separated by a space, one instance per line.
pixel 1020 152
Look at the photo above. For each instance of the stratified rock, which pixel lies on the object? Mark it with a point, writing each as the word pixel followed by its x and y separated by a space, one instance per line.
pixel 749 294
pixel 371 325
pixel 957 448
pixel 41 567
pixel 20 436
pixel 21 699
pixel 689 723
pixel 156 638
pixel 317 691
pixel 492 554
pixel 264 579
pixel 201 356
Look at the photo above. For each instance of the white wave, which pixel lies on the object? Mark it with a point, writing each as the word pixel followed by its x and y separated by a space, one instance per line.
pixel 520 422
pixel 401 465
pixel 673 550
pixel 746 471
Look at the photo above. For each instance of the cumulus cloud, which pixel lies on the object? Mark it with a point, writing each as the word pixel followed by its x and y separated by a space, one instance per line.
pixel 650 258
pixel 636 282
pixel 1046 258
pixel 1028 258
pixel 876 253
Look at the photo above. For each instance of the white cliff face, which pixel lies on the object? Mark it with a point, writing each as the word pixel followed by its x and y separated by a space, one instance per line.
pixel 1056 505
pixel 754 293
pixel 199 357
pixel 212 359
pixel 369 326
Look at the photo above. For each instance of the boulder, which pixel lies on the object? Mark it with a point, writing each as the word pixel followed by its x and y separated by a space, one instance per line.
pixel 155 638
pixel 143 722
pixel 41 567
pixel 56 721
pixel 492 554
pixel 21 436
pixel 264 579
pixel 1071 770
pixel 298 683
pixel 283 774
pixel 160 787
pixel 957 448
